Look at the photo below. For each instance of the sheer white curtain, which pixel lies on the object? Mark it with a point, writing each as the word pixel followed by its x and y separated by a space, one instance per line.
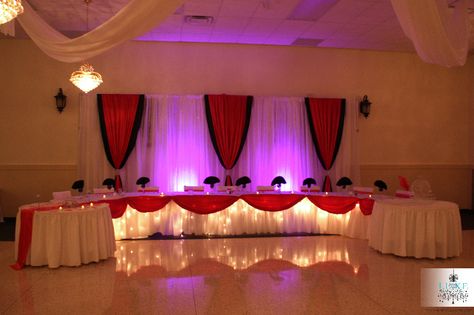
pixel 347 160
pixel 440 35
pixel 278 143
pixel 131 21
pixel 93 166
pixel 174 148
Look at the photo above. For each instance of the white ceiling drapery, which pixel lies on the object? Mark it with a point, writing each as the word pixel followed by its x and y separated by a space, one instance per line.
pixel 440 34
pixel 131 21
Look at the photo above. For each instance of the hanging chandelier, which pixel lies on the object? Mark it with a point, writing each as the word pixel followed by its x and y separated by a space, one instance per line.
pixel 86 78
pixel 9 9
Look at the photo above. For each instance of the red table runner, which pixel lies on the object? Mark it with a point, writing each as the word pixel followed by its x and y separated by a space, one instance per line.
pixel 26 230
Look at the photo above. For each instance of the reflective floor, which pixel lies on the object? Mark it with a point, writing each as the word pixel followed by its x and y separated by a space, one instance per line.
pixel 276 275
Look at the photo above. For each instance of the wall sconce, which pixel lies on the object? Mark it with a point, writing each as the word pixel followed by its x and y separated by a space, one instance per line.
pixel 60 100
pixel 364 106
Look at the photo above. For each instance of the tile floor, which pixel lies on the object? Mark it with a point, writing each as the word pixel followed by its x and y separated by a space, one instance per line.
pixel 276 275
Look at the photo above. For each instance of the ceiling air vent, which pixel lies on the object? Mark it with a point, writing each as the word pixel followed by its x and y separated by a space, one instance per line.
pixel 309 42
pixel 199 19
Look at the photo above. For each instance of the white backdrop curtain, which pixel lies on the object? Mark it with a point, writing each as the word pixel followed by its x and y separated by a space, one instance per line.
pixel 173 145
pixel 93 166
pixel 278 143
pixel 174 148
pixel 133 20
pixel 440 35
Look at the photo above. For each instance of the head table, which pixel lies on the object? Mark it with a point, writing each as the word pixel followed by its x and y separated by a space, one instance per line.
pixel 404 227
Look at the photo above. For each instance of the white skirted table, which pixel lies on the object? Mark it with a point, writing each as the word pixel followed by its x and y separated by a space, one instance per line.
pixel 68 237
pixel 416 228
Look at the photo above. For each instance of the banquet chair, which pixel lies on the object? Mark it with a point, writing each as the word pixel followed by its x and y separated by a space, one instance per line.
pixel 193 188
pixel 149 189
pixel 62 195
pixel 103 190
pixel 421 189
pixel 262 189
pixel 404 194
pixel 227 189
pixel 310 189
pixel 360 190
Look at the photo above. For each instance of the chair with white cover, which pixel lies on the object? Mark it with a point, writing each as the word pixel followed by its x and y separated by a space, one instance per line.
pixel 421 189
pixel 404 194
pixel 103 190
pixel 227 189
pixel 263 189
pixel 62 195
pixel 311 189
pixel 360 190
pixel 149 189
pixel 193 188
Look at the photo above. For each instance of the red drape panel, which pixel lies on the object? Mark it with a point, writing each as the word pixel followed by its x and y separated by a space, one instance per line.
pixel 326 122
pixel 120 117
pixel 272 202
pixel 148 203
pixel 327 187
pixel 204 204
pixel 228 119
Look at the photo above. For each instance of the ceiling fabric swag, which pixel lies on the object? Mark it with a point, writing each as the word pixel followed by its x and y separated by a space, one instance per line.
pixel 120 117
pixel 326 123
pixel 440 34
pixel 135 19
pixel 228 119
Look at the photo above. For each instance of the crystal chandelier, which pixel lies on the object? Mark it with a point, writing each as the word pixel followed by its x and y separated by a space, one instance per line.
pixel 9 9
pixel 86 78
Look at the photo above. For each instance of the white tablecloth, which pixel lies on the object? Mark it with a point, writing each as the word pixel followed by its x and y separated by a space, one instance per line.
pixel 241 218
pixel 71 237
pixel 416 228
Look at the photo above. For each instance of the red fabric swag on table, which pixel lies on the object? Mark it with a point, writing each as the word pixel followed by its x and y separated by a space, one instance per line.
pixel 272 202
pixel 117 206
pixel 204 204
pixel 334 204
pixel 148 203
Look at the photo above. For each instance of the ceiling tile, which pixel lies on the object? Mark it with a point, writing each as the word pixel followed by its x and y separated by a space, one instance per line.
pixel 238 8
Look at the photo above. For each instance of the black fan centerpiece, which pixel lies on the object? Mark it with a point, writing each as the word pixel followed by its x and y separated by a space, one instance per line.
pixel 78 185
pixel 344 182
pixel 309 181
pixel 278 181
pixel 381 185
pixel 142 181
pixel 109 182
pixel 211 180
pixel 243 181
